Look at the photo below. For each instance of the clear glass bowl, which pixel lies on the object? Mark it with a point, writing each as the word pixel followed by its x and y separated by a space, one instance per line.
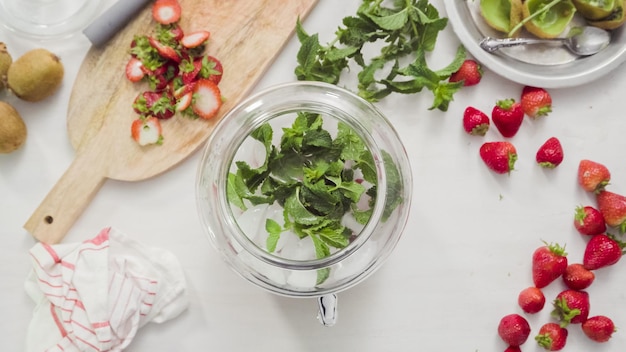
pixel 234 233
pixel 48 19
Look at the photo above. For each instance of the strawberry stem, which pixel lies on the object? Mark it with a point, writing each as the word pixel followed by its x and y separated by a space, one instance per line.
pixel 563 313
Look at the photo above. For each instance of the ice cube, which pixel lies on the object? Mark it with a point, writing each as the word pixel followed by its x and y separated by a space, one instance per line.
pixel 276 275
pixel 302 279
pixel 300 249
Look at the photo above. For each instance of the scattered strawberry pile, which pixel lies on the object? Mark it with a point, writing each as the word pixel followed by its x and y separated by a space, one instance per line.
pixel 180 76
pixel 550 262
pixel 507 115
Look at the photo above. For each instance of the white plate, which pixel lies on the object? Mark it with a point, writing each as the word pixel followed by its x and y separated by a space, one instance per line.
pixel 536 65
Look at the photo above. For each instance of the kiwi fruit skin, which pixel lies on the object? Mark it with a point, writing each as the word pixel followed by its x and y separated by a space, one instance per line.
pixel 35 75
pixel 12 129
pixel 5 62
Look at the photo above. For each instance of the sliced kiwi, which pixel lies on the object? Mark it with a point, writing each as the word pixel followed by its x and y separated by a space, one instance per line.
pixel 594 9
pixel 613 21
pixel 550 22
pixel 12 129
pixel 35 75
pixel 501 15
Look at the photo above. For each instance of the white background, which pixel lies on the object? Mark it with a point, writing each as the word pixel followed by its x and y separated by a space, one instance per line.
pixel 463 258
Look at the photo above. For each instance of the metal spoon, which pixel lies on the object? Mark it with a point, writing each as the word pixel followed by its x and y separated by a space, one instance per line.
pixel 590 40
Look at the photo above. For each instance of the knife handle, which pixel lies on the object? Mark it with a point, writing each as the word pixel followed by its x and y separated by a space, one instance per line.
pixel 112 21
pixel 66 200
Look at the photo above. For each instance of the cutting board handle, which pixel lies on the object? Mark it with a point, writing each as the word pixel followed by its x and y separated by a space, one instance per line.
pixel 66 200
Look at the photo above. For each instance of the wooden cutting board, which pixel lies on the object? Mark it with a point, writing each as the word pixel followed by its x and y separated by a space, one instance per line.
pixel 246 35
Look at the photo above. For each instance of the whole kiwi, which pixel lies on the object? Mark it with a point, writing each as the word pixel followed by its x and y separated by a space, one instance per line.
pixel 35 75
pixel 5 62
pixel 12 129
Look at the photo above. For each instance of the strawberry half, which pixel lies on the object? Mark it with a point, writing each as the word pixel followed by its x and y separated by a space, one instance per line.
pixel 536 102
pixel 195 39
pixel 207 99
pixel 147 131
pixel 550 154
pixel 212 69
pixel 134 70
pixel 164 50
pixel 166 11
pixel 499 156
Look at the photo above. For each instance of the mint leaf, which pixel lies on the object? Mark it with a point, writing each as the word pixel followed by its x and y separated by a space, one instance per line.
pixel 274 230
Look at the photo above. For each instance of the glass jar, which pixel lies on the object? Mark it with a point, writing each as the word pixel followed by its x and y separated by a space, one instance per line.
pixel 234 233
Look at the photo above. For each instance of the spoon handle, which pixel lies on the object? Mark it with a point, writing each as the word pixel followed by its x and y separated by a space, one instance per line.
pixel 492 44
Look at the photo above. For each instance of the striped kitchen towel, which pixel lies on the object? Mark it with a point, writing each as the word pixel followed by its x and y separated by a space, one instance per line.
pixel 95 295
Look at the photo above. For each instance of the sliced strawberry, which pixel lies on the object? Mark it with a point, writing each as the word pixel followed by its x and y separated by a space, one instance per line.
pixel 166 11
pixel 212 69
pixel 165 51
pixel 190 70
pixel 207 99
pixel 158 104
pixel 183 90
pixel 184 101
pixel 134 70
pixel 147 131
pixel 195 39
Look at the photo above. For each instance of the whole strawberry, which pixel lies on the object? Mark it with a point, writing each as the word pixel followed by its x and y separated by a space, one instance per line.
pixel 470 73
pixel 548 264
pixel 613 209
pixel 508 116
pixel 531 300
pixel 514 329
pixel 536 102
pixel 602 251
pixel 499 156
pixel 550 154
pixel 599 328
pixel 571 307
pixel 552 337
pixel 593 176
pixel 589 221
pixel 475 122
pixel 577 277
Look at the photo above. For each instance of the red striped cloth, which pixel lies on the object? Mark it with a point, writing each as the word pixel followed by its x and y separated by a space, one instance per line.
pixel 95 295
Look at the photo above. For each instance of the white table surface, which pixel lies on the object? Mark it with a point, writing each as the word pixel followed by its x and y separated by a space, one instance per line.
pixel 463 258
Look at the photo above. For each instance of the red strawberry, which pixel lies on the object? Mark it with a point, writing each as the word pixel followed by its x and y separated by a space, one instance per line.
pixel 158 104
pixel 577 277
pixel 147 131
pixel 470 73
pixel 507 115
pixel 134 70
pixel 602 251
pixel 184 102
pixel 599 328
pixel 514 329
pixel 166 11
pixel 593 176
pixel 499 156
pixel 475 122
pixel 589 221
pixel 195 39
pixel 536 102
pixel 212 69
pixel 164 50
pixel 552 337
pixel 613 209
pixel 190 70
pixel 548 264
pixel 550 154
pixel 513 349
pixel 207 99
pixel 571 307
pixel 531 300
